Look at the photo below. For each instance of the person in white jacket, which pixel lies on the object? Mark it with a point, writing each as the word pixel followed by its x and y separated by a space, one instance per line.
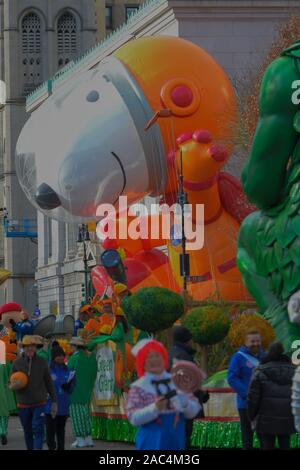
pixel 154 404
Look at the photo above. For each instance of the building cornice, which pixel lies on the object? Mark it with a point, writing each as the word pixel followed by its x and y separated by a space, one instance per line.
pixel 236 12
pixel 21 276
pixel 231 3
pixel 16 101
pixel 156 14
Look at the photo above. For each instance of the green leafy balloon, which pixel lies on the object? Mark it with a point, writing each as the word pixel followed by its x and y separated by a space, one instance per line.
pixel 269 240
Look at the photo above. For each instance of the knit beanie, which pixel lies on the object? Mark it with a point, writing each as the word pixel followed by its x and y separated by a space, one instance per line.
pixel 57 351
pixel 182 334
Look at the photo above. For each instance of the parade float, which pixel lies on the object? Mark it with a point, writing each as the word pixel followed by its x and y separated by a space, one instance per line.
pixel 163 125
pixel 112 334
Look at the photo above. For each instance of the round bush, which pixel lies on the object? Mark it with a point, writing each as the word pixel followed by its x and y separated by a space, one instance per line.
pixel 208 324
pixel 153 309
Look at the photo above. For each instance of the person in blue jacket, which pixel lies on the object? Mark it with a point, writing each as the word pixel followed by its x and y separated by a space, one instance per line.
pixel 239 375
pixel 24 327
pixel 64 382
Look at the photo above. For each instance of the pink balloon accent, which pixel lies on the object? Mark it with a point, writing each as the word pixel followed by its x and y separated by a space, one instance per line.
pixel 202 136
pixel 184 138
pixel 182 96
pixel 218 153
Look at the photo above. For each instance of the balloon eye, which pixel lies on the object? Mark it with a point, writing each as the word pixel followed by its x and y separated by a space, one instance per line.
pixel 93 96
pixel 181 96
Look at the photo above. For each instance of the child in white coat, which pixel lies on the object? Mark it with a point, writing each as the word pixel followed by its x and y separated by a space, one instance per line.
pixel 154 404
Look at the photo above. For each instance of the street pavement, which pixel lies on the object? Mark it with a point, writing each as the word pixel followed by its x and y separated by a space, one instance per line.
pixel 16 439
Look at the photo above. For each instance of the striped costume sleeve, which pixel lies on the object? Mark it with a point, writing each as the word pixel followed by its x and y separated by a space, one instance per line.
pixel 140 407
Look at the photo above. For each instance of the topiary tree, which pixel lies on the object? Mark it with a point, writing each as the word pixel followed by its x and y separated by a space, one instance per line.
pixel 209 325
pixel 250 321
pixel 153 309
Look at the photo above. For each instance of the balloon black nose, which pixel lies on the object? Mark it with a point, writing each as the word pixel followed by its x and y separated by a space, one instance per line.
pixel 46 197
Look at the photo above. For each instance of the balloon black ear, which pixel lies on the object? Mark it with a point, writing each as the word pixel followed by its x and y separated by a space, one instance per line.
pixel 46 197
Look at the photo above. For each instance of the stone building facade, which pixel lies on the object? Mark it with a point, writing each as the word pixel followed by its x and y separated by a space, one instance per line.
pixel 37 37
pixel 116 12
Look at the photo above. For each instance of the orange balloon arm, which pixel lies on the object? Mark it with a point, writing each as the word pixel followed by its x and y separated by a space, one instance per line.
pixel 162 113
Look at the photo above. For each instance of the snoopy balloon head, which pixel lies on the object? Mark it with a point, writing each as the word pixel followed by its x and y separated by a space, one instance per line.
pixel 86 144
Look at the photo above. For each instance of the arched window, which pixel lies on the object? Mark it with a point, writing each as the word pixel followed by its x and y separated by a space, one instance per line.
pixel 31 51
pixel 67 38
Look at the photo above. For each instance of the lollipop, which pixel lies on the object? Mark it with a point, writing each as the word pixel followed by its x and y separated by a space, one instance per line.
pixel 187 376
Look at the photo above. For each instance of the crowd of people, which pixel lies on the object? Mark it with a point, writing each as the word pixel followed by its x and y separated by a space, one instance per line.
pixel 58 387
pixel 263 383
pixel 54 390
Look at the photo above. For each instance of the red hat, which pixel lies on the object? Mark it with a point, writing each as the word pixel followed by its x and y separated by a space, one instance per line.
pixel 141 351
pixel 10 307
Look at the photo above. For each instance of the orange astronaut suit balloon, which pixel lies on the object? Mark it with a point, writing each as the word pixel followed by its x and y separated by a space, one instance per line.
pixel 195 89
pixel 132 117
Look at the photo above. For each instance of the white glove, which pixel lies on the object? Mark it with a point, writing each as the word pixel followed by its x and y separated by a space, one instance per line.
pixel 180 401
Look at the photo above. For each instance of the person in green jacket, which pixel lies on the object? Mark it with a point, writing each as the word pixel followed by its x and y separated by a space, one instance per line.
pixel 84 364
pixel 40 345
pixel 4 408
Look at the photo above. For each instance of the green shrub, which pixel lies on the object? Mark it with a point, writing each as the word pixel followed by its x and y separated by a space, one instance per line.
pixel 153 309
pixel 208 324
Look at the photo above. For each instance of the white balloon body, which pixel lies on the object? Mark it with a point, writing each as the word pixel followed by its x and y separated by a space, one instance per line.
pixel 88 144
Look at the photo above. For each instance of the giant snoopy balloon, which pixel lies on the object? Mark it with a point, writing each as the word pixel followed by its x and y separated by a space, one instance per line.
pixel 87 145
